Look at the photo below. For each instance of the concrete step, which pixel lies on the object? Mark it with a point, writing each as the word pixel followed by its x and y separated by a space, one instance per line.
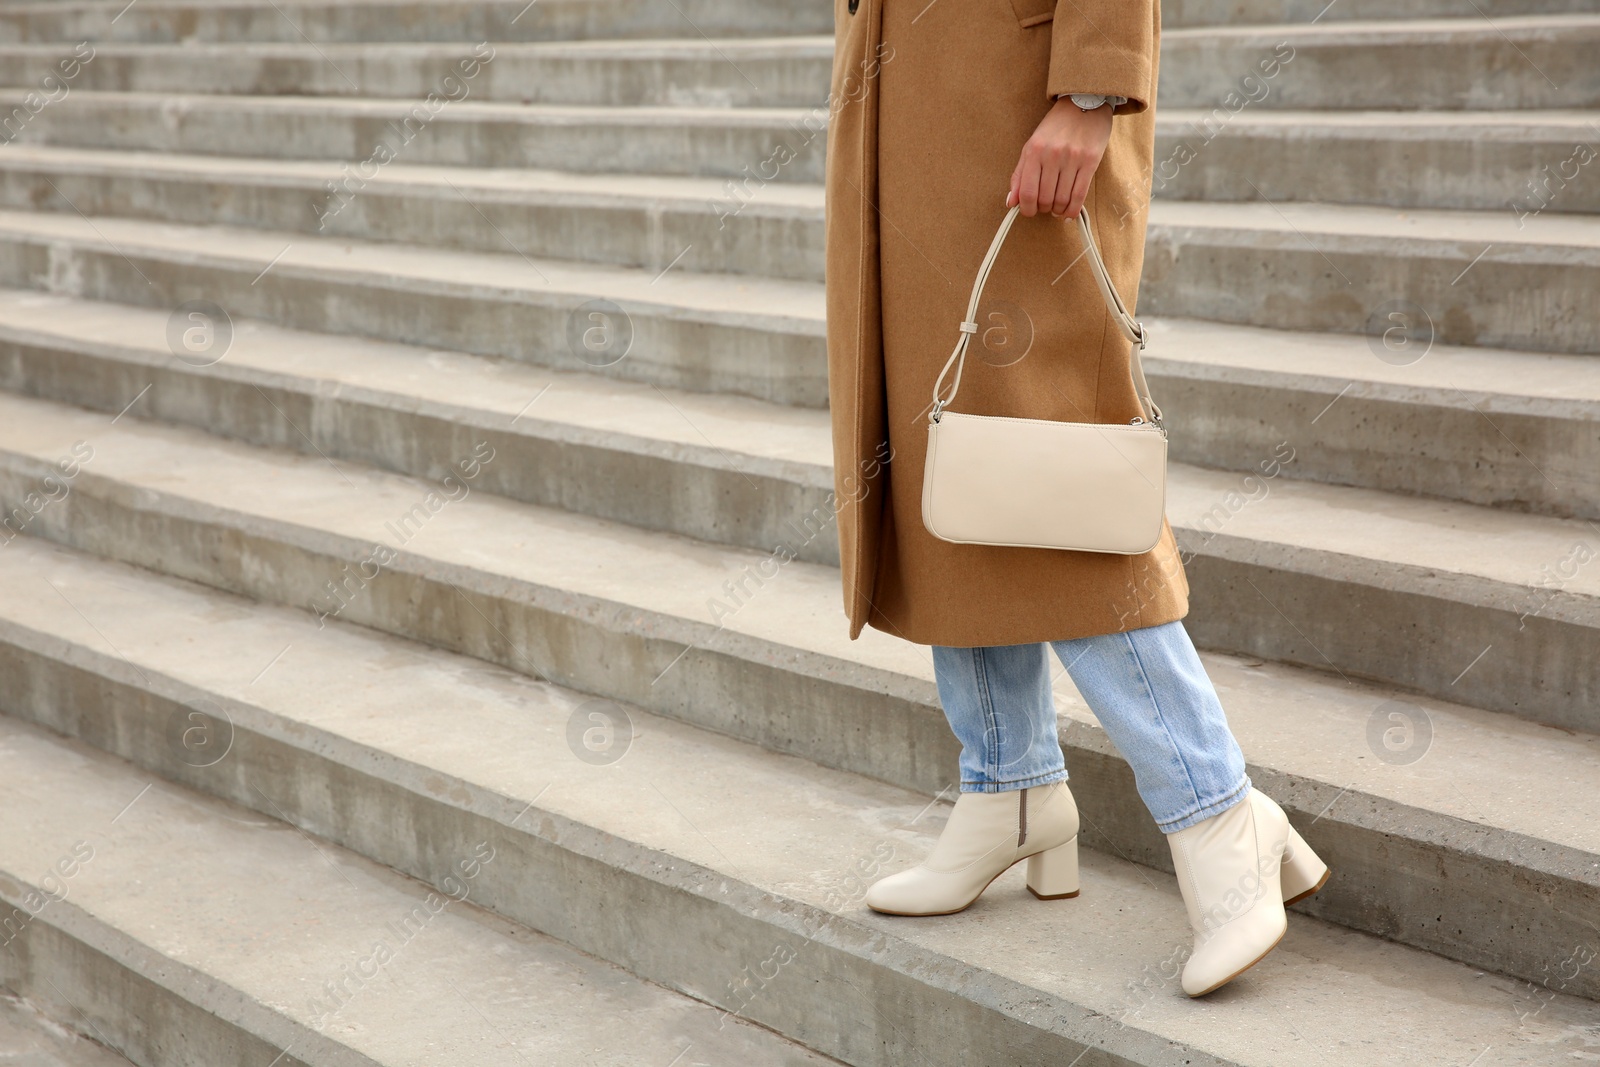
pixel 466 21
pixel 647 221
pixel 620 841
pixel 1506 429
pixel 193 932
pixel 761 72
pixel 776 144
pixel 757 336
pixel 1519 164
pixel 1467 61
pixel 29 1038
pixel 1475 278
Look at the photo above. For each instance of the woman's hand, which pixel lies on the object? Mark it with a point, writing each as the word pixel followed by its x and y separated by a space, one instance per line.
pixel 1059 159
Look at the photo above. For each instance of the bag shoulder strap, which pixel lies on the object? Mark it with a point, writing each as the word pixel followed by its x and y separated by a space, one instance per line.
pixel 1126 324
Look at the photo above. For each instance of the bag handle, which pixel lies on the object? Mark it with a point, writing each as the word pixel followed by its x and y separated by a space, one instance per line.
pixel 1126 324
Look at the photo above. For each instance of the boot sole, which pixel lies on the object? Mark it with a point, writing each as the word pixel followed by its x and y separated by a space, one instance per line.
pixel 1243 969
pixel 1053 896
pixel 974 900
pixel 1314 889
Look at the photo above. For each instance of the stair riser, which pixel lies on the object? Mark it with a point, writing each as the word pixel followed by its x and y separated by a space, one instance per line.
pixel 1415 863
pixel 417 20
pixel 1475 68
pixel 698 492
pixel 1520 175
pixel 735 233
pixel 1203 13
pixel 1517 653
pixel 1337 284
pixel 796 76
pixel 1535 460
pixel 110 989
pixel 772 359
pixel 785 149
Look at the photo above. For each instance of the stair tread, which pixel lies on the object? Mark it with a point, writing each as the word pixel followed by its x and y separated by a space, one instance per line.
pixel 570 186
pixel 176 104
pixel 640 48
pixel 594 566
pixel 496 745
pixel 1469 230
pixel 1433 125
pixel 186 878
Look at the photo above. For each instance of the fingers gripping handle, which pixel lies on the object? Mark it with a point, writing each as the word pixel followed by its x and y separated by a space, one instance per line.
pixel 1126 325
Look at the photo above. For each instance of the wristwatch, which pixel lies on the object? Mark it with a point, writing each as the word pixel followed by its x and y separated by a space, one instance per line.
pixel 1090 101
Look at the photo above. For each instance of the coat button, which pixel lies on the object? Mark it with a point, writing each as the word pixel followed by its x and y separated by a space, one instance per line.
pixel 853 5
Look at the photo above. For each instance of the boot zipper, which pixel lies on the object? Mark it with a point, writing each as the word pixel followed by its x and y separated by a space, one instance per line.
pixel 1022 818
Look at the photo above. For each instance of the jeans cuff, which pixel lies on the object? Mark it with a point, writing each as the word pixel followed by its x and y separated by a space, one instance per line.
pixel 1207 810
pixel 1020 783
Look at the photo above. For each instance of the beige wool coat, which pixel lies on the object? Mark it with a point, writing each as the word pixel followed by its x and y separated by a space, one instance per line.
pixel 931 105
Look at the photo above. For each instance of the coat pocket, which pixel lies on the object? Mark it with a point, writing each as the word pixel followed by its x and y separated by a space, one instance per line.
pixel 1034 12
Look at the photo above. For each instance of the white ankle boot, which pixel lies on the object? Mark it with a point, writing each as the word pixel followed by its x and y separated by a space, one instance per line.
pixel 1235 870
pixel 986 834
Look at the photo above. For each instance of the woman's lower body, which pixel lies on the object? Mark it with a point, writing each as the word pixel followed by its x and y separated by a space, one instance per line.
pixel 1147 687
pixel 1238 860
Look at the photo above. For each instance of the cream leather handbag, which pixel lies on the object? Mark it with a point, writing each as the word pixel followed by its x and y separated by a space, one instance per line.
pixel 1033 483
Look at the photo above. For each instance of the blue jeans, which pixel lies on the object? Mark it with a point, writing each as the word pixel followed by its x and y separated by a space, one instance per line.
pixel 1149 691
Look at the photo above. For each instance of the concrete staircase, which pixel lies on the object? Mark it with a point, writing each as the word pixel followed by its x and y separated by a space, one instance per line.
pixel 375 608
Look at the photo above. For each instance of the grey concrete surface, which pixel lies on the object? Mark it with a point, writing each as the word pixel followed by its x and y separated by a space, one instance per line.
pixel 29 1038
pixel 1481 278
pixel 1503 162
pixel 647 861
pixel 1206 13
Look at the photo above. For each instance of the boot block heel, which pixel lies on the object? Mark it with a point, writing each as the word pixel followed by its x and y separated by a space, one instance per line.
pixel 1301 873
pixel 1053 873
